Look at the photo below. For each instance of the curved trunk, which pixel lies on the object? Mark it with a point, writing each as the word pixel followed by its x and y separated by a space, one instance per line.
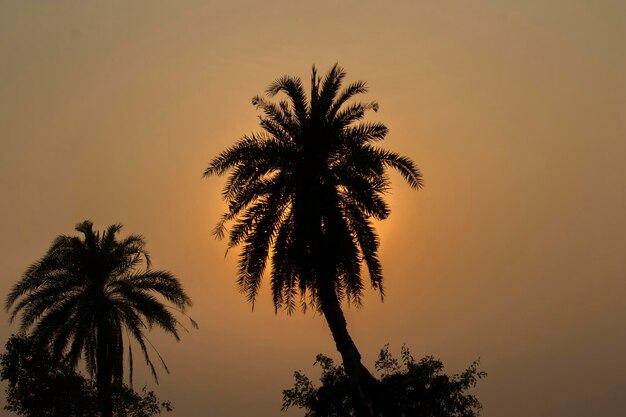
pixel 361 380
pixel 365 388
pixel 104 371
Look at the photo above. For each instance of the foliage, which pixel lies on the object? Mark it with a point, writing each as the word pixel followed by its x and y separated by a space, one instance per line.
pixel 128 402
pixel 412 388
pixel 302 192
pixel 331 399
pixel 85 294
pixel 39 386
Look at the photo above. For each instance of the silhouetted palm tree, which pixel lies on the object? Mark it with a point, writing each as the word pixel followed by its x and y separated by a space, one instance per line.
pixel 302 193
pixel 83 294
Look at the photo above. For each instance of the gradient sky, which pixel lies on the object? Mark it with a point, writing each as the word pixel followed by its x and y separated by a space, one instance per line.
pixel 514 111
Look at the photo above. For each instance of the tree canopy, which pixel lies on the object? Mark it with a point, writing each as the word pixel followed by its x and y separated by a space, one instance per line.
pixel 39 386
pixel 86 293
pixel 411 388
pixel 303 191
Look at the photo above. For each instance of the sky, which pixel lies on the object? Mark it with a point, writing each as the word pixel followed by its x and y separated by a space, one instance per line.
pixel 514 112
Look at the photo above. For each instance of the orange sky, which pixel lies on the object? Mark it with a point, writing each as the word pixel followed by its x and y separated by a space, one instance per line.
pixel 514 111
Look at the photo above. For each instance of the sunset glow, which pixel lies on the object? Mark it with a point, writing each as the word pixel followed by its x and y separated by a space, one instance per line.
pixel 512 252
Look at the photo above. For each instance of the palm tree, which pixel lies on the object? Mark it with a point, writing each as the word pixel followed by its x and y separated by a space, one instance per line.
pixel 302 193
pixel 85 293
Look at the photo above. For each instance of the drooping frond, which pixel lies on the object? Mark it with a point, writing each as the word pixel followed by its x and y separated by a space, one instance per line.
pixel 404 166
pixel 295 91
pixel 162 283
pixel 257 241
pixel 280 120
pixel 363 229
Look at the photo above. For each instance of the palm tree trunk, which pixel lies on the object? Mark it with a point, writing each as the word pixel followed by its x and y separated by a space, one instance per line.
pixel 361 380
pixel 104 371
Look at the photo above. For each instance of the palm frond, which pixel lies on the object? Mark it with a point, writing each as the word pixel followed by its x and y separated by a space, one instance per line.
pixel 291 86
pixel 328 89
pixel 404 166
pixel 303 191
pixel 358 87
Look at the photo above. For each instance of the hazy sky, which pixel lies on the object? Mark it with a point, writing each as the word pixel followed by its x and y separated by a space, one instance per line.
pixel 514 111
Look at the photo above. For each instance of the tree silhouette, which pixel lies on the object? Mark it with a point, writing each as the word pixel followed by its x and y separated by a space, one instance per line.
pixel 415 388
pixel 85 293
pixel 302 194
pixel 39 386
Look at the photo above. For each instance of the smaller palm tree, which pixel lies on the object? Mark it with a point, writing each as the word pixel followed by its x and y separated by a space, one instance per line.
pixel 85 294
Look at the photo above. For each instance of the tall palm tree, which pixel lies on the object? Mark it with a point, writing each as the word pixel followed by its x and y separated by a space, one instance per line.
pixel 302 194
pixel 85 293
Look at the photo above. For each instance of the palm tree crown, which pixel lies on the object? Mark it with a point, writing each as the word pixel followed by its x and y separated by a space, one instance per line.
pixel 304 190
pixel 302 194
pixel 85 293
